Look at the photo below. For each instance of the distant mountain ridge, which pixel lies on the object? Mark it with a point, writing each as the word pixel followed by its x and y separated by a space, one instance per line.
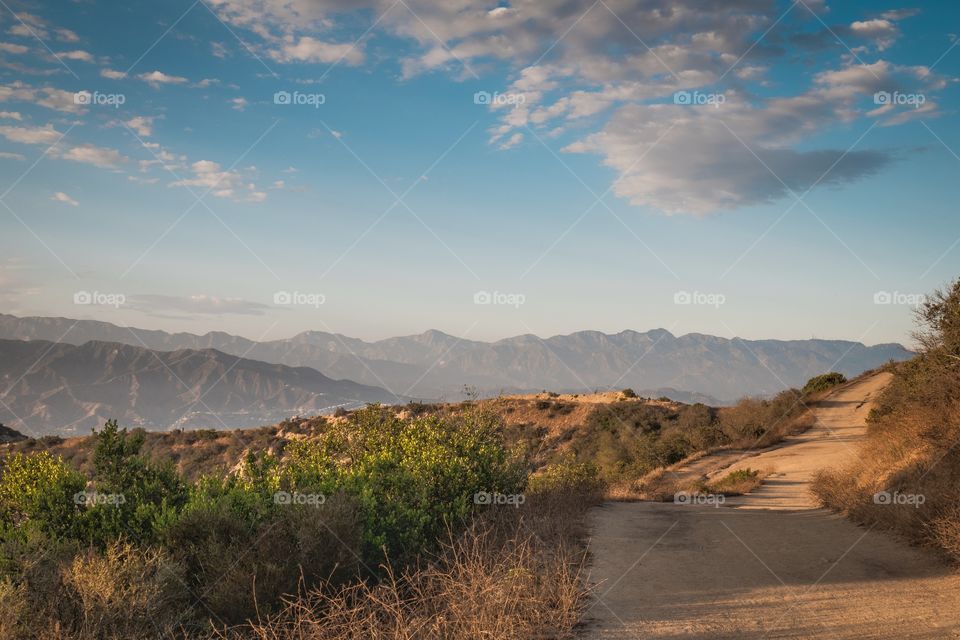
pixel 435 365
pixel 67 389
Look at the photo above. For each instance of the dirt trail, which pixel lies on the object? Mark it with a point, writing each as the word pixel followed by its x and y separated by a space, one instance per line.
pixel 768 565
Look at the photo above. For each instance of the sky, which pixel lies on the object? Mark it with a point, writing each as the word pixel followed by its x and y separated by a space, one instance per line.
pixel 752 168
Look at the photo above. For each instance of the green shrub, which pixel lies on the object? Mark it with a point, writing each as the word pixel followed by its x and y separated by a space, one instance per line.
pixel 823 382
pixel 37 492
pixel 566 476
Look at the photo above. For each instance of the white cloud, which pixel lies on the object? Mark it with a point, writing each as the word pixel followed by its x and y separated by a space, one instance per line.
pixel 83 56
pixel 60 196
pixel 6 155
pixel 113 74
pixel 141 125
pixel 307 49
pixel 158 78
pixel 48 97
pixel 699 160
pixel 8 47
pixel 98 156
pixel 176 306
pixel 883 32
pixel 66 35
pixel 239 103
pixel 231 184
pixel 10 115
pixel 31 135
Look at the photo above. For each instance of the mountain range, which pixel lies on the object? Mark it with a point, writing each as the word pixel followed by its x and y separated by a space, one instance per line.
pixel 64 389
pixel 431 365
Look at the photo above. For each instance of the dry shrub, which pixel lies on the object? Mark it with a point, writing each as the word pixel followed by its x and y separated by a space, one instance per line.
pixel 238 571
pixel 514 574
pixel 946 530
pixel 125 593
pixel 13 607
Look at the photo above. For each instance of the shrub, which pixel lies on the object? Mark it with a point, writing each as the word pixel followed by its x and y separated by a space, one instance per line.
pixel 126 593
pixel 566 476
pixel 823 382
pixel 737 482
pixel 37 492
pixel 628 393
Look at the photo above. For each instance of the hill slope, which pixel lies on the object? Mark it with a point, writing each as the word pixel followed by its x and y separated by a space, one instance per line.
pixel 61 388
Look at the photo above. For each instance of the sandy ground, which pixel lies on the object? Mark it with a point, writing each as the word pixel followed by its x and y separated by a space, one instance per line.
pixel 768 565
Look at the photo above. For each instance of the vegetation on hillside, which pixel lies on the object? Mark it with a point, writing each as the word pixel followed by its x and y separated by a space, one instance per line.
pixel 907 476
pixel 132 549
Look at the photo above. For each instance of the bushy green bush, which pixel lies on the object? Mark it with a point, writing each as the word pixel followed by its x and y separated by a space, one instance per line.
pixel 566 476
pixel 823 382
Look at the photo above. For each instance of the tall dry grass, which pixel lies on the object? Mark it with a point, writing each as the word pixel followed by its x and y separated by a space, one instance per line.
pixel 513 574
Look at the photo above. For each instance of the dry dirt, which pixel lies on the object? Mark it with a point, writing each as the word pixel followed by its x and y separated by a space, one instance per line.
pixel 769 564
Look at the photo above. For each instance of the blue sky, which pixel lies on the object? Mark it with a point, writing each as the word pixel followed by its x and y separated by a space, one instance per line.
pixel 743 168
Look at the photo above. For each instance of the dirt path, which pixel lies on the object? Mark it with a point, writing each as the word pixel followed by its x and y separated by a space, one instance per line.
pixel 768 565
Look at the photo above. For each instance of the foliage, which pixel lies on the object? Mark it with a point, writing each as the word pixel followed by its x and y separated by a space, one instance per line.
pixel 823 382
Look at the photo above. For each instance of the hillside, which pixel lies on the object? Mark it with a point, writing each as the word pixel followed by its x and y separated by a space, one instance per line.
pixel 435 365
pixel 63 389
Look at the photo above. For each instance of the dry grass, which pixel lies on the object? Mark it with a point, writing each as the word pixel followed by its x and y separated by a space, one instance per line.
pixel 737 483
pixel 514 574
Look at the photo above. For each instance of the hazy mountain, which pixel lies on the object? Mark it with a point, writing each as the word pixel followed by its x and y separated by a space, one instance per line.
pixel 436 365
pixel 48 387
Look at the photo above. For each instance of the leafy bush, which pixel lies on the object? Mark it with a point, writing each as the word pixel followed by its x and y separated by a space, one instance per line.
pixel 37 493
pixel 566 477
pixel 823 382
